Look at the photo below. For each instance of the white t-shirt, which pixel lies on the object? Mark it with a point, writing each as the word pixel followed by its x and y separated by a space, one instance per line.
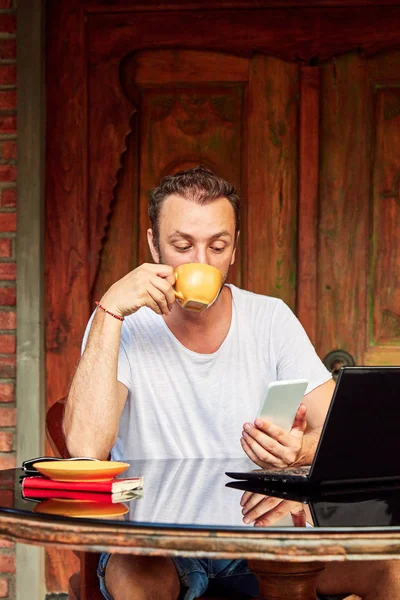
pixel 182 404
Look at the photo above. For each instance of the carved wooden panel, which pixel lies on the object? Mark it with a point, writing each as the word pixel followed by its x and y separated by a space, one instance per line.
pixel 190 111
pixel 384 295
pixel 118 246
pixel 181 127
pixel 271 170
pixel 108 137
pixel 384 282
pixel 205 107
pixel 307 289
pixel 295 34
pixel 359 213
pixel 343 207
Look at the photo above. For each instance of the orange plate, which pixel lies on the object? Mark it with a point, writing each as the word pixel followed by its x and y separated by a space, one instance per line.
pixel 73 508
pixel 81 470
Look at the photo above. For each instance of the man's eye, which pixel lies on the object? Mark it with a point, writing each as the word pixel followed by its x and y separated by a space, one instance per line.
pixel 182 248
pixel 218 248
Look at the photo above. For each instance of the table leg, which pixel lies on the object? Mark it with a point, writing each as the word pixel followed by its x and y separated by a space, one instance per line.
pixel 285 580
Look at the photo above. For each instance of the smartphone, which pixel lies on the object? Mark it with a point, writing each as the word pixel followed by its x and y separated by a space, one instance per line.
pixel 281 402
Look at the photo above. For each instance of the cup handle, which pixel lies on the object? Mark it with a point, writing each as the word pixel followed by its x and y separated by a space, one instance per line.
pixel 178 295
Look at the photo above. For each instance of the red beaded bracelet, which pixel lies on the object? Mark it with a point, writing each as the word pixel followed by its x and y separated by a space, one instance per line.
pixel 109 313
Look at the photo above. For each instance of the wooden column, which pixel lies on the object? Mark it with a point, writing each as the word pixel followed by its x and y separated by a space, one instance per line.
pixel 30 397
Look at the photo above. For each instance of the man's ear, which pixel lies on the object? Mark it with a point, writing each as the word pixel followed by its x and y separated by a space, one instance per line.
pixel 154 252
pixel 234 249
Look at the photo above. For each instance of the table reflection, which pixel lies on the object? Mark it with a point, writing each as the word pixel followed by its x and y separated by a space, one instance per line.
pixel 359 506
pixel 87 509
pixel 197 493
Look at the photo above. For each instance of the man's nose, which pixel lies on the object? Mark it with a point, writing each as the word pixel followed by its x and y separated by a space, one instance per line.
pixel 201 255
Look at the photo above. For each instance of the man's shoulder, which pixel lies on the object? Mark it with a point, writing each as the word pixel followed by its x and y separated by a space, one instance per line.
pixel 249 298
pixel 257 311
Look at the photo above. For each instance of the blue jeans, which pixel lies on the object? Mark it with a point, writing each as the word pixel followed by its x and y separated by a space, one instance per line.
pixel 200 575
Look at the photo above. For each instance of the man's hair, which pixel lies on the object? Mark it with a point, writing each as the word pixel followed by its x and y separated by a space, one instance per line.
pixel 199 185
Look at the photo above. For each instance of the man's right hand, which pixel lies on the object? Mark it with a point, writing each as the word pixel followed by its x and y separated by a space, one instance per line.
pixel 148 285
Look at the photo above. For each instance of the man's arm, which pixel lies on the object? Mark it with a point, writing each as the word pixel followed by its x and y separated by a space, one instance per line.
pixel 270 446
pixel 96 398
pixel 317 403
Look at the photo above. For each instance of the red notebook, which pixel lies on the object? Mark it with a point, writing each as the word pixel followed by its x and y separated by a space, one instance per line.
pixel 104 498
pixel 109 487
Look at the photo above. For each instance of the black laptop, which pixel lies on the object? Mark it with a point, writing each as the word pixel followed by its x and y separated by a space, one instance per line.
pixel 360 441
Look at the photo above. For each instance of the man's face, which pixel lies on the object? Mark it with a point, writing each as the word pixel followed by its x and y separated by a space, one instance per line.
pixel 191 232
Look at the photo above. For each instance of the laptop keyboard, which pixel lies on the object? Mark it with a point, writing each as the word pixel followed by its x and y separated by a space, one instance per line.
pixel 293 474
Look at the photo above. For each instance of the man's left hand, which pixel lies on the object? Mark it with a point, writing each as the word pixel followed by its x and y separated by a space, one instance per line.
pixel 270 446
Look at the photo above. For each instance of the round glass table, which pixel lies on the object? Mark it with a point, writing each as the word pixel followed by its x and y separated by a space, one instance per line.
pixel 192 508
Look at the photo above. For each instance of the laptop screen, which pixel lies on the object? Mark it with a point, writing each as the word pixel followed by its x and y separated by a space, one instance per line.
pixel 360 438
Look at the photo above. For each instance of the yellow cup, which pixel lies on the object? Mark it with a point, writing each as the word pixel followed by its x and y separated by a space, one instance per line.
pixel 197 285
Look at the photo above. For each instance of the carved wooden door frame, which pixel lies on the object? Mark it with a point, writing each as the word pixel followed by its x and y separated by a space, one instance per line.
pixel 88 45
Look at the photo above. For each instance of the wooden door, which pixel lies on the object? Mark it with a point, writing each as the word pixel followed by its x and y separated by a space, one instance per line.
pixel 383 289
pixel 134 94
pixel 194 107
pixel 150 113
pixel 356 286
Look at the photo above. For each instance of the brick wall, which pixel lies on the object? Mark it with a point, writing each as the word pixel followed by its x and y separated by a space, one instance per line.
pixel 8 176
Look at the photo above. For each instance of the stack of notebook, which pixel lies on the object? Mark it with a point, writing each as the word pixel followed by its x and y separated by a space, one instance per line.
pixel 114 490
pixel 72 482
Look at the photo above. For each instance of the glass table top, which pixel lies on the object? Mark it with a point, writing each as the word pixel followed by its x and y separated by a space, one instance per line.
pixel 196 493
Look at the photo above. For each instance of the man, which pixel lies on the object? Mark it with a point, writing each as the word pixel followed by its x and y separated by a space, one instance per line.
pixel 161 382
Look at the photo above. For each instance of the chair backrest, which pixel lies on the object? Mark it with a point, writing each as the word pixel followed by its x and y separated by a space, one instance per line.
pixel 54 432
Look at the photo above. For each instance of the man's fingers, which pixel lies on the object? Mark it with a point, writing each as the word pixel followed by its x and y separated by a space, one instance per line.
pixel 252 501
pixel 282 508
pixel 298 516
pixel 263 456
pixel 250 453
pixel 273 431
pixel 262 508
pixel 280 453
pixel 278 510
pixel 299 424
pixel 268 444
pixel 171 279
pixel 245 498
pixel 154 306
pixel 147 285
pixel 165 288
pixel 266 441
pixel 161 270
pixel 159 298
pixel 283 437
